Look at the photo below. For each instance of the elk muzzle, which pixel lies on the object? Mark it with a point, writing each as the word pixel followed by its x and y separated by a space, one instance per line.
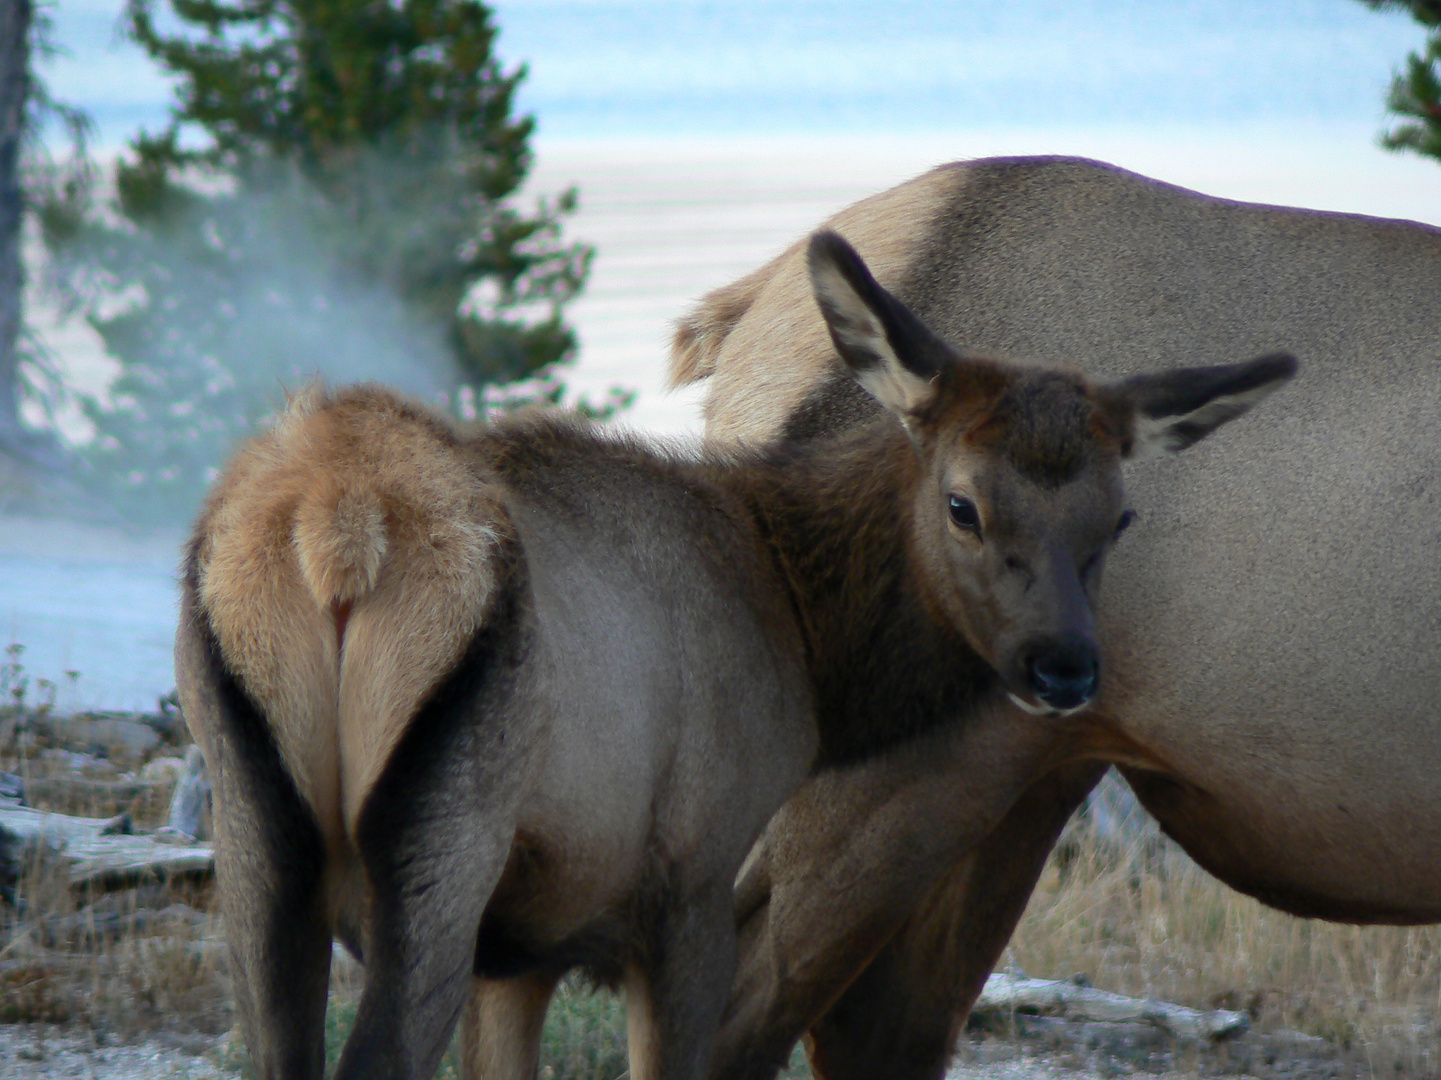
pixel 1063 673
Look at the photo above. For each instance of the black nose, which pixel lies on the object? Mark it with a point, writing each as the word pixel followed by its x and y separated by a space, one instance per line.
pixel 1065 678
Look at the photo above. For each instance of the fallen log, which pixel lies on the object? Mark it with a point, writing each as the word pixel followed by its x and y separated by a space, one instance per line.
pixel 1005 993
pixel 97 858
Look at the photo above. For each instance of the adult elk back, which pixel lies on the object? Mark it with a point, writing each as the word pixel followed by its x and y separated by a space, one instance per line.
pixel 1270 628
pixel 502 706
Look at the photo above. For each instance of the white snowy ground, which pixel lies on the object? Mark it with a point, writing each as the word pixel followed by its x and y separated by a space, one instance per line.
pixel 94 601
pixel 670 219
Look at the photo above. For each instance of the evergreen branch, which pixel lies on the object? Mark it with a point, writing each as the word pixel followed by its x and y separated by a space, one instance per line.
pixel 349 196
pixel 1426 12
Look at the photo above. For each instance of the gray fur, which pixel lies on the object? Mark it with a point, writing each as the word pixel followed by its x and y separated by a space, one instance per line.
pixel 1272 623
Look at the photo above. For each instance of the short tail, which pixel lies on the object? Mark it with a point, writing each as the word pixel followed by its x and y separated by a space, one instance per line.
pixel 702 331
pixel 340 540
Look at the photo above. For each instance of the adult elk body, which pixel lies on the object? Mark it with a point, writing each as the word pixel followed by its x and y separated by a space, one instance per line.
pixel 1272 626
pixel 510 704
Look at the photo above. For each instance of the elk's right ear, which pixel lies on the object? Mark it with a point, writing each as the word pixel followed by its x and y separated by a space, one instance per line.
pixel 890 352
pixel 1171 410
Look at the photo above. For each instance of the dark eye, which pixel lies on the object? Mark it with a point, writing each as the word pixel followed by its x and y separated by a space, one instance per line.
pixel 964 514
pixel 1125 523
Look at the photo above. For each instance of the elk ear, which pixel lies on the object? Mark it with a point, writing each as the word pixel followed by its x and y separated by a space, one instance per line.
pixel 890 352
pixel 1167 412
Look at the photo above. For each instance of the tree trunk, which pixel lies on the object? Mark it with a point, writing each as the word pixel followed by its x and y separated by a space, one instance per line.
pixel 15 17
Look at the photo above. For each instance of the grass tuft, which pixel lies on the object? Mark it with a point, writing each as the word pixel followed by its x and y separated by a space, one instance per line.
pixel 1143 919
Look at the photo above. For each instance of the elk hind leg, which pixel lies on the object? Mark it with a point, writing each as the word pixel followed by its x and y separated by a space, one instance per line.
pixel 676 994
pixel 270 865
pixel 434 834
pixel 500 1030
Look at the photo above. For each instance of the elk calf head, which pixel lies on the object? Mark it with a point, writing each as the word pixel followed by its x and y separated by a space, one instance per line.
pixel 1018 496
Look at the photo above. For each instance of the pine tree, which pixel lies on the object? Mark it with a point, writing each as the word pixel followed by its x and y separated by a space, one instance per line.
pixel 26 171
pixel 335 192
pixel 1416 91
pixel 15 21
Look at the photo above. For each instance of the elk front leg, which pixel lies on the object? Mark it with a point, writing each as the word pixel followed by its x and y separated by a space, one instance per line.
pixel 676 992
pixel 901 1016
pixel 500 1031
pixel 270 863
pixel 841 866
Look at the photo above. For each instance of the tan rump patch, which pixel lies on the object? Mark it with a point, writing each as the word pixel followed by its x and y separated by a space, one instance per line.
pixel 700 332
pixel 358 506
pixel 764 362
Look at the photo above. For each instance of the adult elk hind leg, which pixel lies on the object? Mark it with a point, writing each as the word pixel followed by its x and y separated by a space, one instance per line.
pixel 270 860
pixel 501 1027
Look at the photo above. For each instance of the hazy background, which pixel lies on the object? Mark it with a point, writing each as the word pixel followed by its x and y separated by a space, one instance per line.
pixel 704 137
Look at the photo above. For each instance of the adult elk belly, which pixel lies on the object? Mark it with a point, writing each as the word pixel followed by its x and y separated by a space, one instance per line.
pixel 1271 624
pixel 491 708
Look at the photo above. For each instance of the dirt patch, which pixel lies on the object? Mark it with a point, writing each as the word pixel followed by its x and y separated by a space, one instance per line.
pixel 1038 1048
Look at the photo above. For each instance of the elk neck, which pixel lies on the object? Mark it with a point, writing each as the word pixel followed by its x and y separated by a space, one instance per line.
pixel 836 513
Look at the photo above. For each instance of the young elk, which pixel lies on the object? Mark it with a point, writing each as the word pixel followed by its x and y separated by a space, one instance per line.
pixel 492 708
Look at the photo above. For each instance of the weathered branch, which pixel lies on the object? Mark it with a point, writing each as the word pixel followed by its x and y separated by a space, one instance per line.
pixel 191 798
pixel 1010 993
pixel 100 860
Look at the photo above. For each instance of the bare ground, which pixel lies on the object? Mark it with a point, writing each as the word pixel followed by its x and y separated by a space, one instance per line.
pixel 46 1052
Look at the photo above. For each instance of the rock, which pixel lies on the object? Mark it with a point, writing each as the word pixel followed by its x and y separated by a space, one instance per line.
pixel 12 789
pixel 191 800
pixel 127 739
pixel 162 770
pixel 101 797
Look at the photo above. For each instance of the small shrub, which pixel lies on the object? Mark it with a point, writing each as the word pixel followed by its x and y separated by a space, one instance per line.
pixel 584 1036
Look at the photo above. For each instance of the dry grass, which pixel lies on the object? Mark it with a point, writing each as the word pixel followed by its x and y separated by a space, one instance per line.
pixel 1143 920
pixel 129 962
pixel 1146 920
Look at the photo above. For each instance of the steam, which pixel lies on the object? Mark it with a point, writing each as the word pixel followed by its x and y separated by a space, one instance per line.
pixel 224 304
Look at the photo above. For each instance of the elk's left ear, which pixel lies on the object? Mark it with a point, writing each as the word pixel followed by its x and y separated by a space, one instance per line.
pixel 891 353
pixel 1167 412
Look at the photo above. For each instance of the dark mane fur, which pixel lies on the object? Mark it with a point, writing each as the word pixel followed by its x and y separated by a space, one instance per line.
pixel 835 511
